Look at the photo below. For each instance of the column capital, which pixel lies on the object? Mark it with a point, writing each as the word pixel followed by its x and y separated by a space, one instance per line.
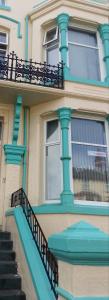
pixel 64 115
pixel 14 154
pixel 104 31
pixel 62 21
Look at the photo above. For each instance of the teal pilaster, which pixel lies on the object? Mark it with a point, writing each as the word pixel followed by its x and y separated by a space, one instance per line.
pixel 104 33
pixel 25 153
pixel 64 115
pixel 17 119
pixel 62 21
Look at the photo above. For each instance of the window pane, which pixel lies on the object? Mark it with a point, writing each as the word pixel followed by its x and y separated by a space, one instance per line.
pixel 2 37
pixel 53 172
pixel 51 34
pixel 52 131
pixel 2 2
pixel 90 173
pixel 53 55
pixel 84 62
pixel 88 131
pixel 82 37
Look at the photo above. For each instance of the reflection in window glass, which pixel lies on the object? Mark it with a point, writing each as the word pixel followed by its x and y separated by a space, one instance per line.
pixel 88 131
pixel 90 167
pixel 53 172
pixel 83 54
pixel 2 2
pixel 52 131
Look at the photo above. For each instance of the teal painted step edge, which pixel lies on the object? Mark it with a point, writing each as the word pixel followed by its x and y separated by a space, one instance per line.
pixel 68 296
pixel 37 271
pixel 5 7
pixel 73 209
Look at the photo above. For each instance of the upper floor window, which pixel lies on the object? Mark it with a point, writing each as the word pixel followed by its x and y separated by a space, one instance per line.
pixel 3 44
pixel 83 54
pixel 51 44
pixel 2 2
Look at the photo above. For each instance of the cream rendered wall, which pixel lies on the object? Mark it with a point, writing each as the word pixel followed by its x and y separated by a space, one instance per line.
pixel 84 281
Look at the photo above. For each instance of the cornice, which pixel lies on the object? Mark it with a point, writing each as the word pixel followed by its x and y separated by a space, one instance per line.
pixel 85 5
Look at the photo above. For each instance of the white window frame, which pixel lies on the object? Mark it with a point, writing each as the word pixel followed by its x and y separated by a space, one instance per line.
pixel 99 43
pixel 45 35
pixel 48 45
pixel 94 118
pixel 58 142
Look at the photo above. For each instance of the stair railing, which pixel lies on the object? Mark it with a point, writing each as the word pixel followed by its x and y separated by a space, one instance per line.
pixel 48 259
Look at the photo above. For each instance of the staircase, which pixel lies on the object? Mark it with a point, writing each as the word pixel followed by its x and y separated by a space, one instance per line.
pixel 10 281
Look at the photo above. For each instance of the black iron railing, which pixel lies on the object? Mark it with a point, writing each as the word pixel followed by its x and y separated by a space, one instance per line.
pixel 14 69
pixel 48 259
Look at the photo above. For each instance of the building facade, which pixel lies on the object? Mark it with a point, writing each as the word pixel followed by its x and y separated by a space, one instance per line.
pixel 54 130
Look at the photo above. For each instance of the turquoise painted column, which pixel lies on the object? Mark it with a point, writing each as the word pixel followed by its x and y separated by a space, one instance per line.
pixel 104 33
pixel 64 115
pixel 62 21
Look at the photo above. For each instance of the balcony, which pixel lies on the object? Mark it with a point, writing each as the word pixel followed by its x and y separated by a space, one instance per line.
pixel 29 72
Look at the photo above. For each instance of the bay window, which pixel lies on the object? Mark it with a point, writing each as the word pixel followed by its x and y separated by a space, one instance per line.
pixel 90 167
pixel 83 53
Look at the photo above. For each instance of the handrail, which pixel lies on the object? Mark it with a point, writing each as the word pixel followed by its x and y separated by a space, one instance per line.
pixel 48 259
pixel 13 68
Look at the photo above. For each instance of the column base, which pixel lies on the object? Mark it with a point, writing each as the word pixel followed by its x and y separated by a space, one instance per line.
pixel 67 198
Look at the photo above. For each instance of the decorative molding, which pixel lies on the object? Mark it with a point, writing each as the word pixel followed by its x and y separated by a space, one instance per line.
pixel 14 154
pixel 81 244
pixel 14 21
pixel 16 125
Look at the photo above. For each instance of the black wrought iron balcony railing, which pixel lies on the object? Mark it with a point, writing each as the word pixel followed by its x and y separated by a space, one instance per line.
pixel 18 70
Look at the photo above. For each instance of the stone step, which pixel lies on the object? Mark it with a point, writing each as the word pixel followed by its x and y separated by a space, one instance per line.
pixel 6 245
pixel 7 255
pixel 10 281
pixel 12 295
pixel 7 267
pixel 5 235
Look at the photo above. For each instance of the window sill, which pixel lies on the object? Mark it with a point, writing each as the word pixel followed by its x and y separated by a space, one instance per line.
pixel 4 7
pixel 68 77
pixel 71 209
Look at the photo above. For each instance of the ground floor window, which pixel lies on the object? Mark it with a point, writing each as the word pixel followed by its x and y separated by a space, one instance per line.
pixel 52 161
pixel 90 167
